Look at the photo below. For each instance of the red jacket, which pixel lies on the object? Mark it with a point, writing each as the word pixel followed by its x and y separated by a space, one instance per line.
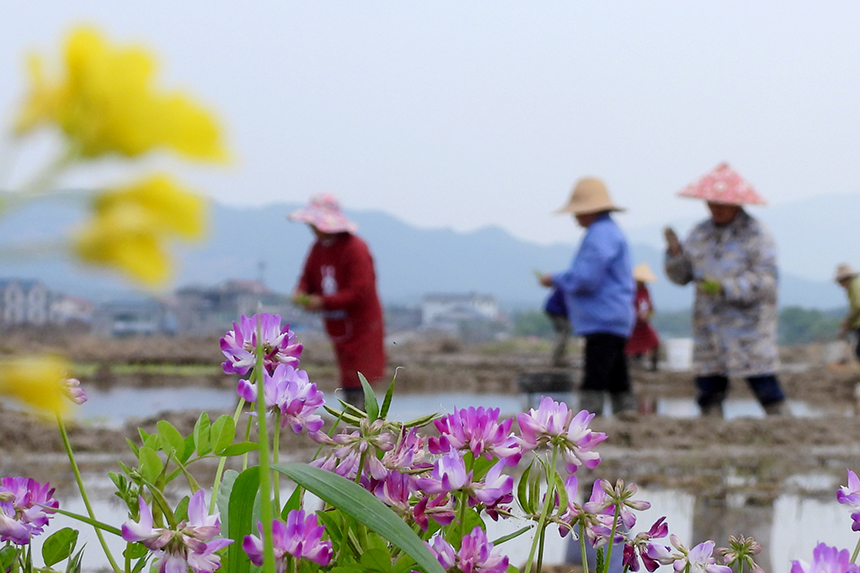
pixel 342 273
pixel 644 337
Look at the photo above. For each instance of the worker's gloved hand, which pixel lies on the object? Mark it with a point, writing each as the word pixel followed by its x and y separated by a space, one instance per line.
pixel 710 287
pixel 673 245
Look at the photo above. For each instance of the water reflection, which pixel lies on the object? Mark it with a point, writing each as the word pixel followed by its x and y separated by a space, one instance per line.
pixel 112 407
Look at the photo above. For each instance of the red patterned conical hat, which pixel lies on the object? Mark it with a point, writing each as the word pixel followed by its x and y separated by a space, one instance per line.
pixel 723 185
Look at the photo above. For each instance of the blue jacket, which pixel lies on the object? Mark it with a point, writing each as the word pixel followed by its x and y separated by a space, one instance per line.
pixel 599 287
pixel 555 303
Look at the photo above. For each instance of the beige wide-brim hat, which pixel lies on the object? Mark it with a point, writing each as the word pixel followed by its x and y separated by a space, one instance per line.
pixel 642 273
pixel 844 271
pixel 589 195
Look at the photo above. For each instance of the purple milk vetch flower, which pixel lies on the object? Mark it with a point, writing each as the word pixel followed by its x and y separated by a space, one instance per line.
pixel 191 544
pixel 638 547
pixel 25 508
pixel 475 555
pixel 439 508
pixel 289 392
pixel 448 474
pixel 741 552
pixel 73 391
pixel 699 559
pixel 850 495
pixel 553 423
pixel 278 344
pixel 826 559
pixel 619 495
pixel 299 537
pixel 479 431
pixel 408 453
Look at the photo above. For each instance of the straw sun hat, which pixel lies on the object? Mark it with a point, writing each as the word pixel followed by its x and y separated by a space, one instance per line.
pixel 589 195
pixel 844 271
pixel 723 185
pixel 642 273
pixel 323 212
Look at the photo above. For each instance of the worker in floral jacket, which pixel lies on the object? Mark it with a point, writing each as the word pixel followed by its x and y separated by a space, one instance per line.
pixel 339 281
pixel 731 260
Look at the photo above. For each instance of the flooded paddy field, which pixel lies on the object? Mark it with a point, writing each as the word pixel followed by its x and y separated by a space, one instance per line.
pixel 774 478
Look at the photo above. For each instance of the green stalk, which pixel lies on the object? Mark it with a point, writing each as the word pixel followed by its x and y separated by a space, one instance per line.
pixel 612 536
pixel 856 551
pixel 582 548
pixel 550 496
pixel 265 465
pixel 217 485
pixel 79 479
pixel 275 445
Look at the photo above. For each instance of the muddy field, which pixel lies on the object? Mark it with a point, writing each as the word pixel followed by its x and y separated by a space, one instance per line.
pixel 648 448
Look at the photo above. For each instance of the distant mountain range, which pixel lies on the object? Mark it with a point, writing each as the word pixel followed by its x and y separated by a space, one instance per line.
pixel 411 262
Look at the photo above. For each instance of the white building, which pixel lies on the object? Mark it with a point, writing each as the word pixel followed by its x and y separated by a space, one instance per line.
pixel 445 309
pixel 23 302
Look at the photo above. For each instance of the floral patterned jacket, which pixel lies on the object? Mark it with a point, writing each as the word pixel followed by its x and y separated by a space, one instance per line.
pixel 734 331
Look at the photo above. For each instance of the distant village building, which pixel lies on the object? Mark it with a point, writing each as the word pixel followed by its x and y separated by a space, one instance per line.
pixel 66 309
pixel 23 302
pixel 204 311
pixel 449 313
pixel 147 317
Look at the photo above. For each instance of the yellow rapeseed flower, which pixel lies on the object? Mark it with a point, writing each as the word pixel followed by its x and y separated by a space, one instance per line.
pixel 105 102
pixel 37 382
pixel 131 225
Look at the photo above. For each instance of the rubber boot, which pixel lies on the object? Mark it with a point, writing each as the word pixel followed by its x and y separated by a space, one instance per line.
pixel 714 410
pixel 354 397
pixel 624 402
pixel 591 400
pixel 777 409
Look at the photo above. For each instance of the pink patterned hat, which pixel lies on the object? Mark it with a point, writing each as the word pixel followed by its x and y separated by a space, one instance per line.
pixel 723 185
pixel 323 212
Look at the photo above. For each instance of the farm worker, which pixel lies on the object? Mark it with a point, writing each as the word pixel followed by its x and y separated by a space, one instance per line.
pixel 847 279
pixel 339 281
pixel 598 292
pixel 644 339
pixel 556 311
pixel 731 259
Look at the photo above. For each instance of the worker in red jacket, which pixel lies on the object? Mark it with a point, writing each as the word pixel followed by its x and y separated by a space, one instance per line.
pixel 339 281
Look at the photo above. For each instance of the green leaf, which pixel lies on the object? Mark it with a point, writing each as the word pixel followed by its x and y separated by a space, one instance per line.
pixel 189 448
pixel 135 550
pixel 376 560
pixel 59 545
pixel 404 564
pixel 371 406
pixel 239 518
pixel 7 557
pixel 85 519
pixel 422 421
pixel 152 441
pixel 514 535
pixel 562 494
pixel 389 394
pixel 223 433
pixel 238 449
pixel 181 511
pixel 294 502
pixel 151 465
pixel 132 446
pixel 223 500
pixel 522 489
pixel 201 434
pixel 74 564
pixel 364 507
pixel 171 439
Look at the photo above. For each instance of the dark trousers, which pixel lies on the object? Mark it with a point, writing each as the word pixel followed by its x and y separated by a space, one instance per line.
pixel 713 389
pixel 605 363
pixel 857 343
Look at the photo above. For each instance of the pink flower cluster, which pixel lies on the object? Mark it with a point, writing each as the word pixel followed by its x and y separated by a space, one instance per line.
pixel 299 537
pixel 288 392
pixel 25 508
pixel 277 343
pixel 192 543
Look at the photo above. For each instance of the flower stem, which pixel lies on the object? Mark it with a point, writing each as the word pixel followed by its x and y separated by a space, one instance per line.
pixel 68 446
pixel 856 552
pixel 265 471
pixel 582 548
pixel 223 461
pixel 612 536
pixel 550 500
pixel 275 445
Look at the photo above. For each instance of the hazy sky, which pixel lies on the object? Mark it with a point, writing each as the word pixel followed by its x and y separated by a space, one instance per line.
pixel 466 114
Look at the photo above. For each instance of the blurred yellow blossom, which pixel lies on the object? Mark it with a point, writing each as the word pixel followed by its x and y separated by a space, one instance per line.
pixel 36 381
pixel 131 225
pixel 105 102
